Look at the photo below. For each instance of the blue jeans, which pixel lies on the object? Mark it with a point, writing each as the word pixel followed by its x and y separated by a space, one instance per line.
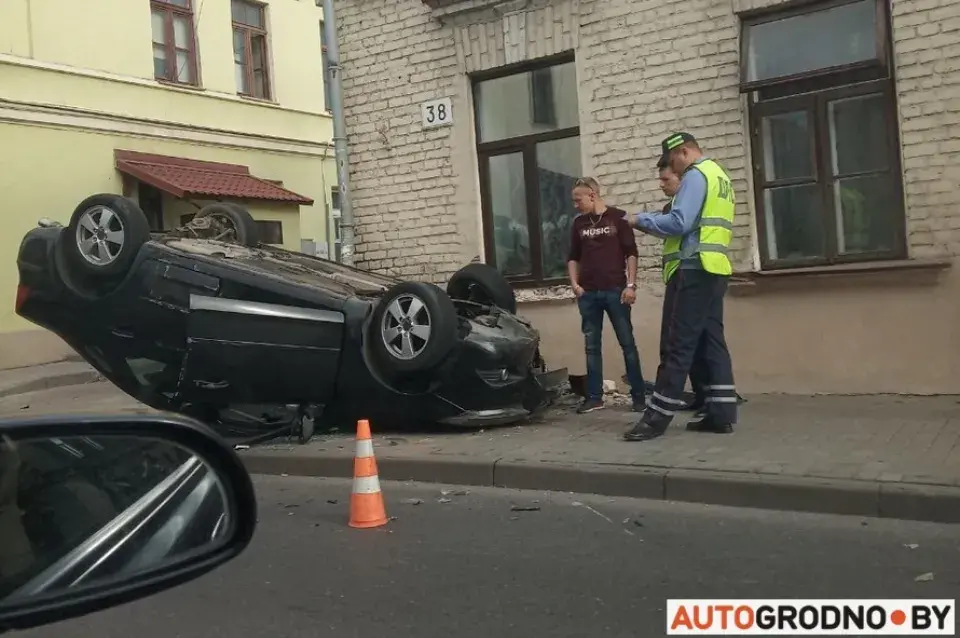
pixel 592 305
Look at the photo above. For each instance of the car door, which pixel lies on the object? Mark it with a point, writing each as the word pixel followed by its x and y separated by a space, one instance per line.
pixel 254 352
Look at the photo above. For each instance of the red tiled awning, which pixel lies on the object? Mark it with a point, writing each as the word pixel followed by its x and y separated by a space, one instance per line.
pixel 193 178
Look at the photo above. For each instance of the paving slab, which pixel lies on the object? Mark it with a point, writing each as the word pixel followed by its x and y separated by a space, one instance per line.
pixel 48 376
pixel 889 456
pixel 886 456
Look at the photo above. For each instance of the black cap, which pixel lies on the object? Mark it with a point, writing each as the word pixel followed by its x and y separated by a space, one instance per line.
pixel 674 140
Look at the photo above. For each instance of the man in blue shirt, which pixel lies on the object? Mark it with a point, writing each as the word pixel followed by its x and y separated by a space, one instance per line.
pixel 699 372
pixel 669 185
pixel 692 336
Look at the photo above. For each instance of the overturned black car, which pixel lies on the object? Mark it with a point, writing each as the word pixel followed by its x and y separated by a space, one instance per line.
pixel 207 322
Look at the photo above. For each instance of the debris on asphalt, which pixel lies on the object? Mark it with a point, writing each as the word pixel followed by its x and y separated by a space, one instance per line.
pixel 911 546
pixel 332 501
pixel 524 508
pixel 412 501
pixel 924 578
pixel 637 523
pixel 444 500
pixel 454 492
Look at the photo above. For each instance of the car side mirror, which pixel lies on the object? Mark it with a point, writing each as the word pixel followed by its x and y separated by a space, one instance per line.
pixel 101 510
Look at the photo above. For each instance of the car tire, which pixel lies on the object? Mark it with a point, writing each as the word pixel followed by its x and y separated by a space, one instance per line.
pixel 105 234
pixel 482 283
pixel 238 220
pixel 420 341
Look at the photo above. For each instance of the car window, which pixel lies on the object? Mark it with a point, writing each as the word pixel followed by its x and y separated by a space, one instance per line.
pixel 67 490
pixel 147 372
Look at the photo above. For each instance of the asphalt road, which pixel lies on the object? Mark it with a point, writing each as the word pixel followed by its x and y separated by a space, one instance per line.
pixel 474 568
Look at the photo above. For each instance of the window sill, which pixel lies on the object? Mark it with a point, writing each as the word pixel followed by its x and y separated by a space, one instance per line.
pixel 258 100
pixel 544 295
pixel 180 85
pixel 910 272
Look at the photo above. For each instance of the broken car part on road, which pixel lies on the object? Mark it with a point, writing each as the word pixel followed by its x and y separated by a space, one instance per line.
pixel 206 321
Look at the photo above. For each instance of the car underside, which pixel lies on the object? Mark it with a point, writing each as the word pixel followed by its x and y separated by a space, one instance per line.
pixel 257 340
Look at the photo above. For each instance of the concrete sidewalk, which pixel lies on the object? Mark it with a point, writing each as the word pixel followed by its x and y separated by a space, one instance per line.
pixel 886 456
pixel 60 374
pixel 896 457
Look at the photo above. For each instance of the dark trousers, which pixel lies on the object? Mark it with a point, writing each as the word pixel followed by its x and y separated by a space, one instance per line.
pixel 691 331
pixel 699 376
pixel 593 304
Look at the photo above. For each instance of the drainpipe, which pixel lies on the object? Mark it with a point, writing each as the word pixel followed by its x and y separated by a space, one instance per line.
pixel 339 132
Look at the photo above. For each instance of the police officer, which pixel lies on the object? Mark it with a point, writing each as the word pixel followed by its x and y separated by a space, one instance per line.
pixel 669 185
pixel 697 232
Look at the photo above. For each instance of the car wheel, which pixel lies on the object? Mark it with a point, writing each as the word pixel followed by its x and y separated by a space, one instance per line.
pixel 414 327
pixel 105 234
pixel 483 284
pixel 231 222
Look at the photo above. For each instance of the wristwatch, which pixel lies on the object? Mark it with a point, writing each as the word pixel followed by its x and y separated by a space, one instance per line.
pixel 632 286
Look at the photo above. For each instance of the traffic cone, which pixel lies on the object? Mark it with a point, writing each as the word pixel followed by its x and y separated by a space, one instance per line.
pixel 366 501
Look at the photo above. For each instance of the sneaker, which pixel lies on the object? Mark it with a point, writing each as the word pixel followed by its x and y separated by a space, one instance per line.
pixel 589 405
pixel 640 404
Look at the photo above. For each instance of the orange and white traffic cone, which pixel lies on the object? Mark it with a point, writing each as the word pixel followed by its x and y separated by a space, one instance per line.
pixel 366 501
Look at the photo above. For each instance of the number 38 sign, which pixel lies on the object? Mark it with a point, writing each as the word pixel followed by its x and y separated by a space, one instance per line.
pixel 437 112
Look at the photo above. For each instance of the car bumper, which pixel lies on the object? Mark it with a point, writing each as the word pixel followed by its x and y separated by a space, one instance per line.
pixel 543 389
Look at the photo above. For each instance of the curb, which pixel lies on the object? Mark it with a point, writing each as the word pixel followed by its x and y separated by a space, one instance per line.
pixel 875 499
pixel 51 382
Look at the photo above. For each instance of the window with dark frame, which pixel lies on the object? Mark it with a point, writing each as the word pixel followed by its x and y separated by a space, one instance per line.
pixel 174 42
pixel 251 62
pixel 326 67
pixel 822 108
pixel 271 232
pixel 529 159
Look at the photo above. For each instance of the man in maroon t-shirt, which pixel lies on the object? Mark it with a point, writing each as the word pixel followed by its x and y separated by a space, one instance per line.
pixel 603 271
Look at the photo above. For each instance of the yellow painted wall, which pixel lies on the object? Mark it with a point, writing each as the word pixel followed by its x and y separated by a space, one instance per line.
pixel 48 66
pixel 67 103
pixel 58 32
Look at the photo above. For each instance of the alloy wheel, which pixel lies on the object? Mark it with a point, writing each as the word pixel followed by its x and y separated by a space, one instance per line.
pixel 100 235
pixel 406 326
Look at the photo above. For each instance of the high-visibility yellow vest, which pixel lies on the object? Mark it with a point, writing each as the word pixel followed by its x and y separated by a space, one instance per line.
pixel 715 228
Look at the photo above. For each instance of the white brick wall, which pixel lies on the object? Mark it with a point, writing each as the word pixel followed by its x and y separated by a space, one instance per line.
pixel 644 68
pixel 926 37
pixel 395 57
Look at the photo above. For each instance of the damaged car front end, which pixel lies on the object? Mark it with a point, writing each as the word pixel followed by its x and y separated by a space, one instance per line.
pixel 502 351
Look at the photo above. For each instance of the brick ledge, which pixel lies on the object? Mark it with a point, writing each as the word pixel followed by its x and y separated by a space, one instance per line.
pixel 896 272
